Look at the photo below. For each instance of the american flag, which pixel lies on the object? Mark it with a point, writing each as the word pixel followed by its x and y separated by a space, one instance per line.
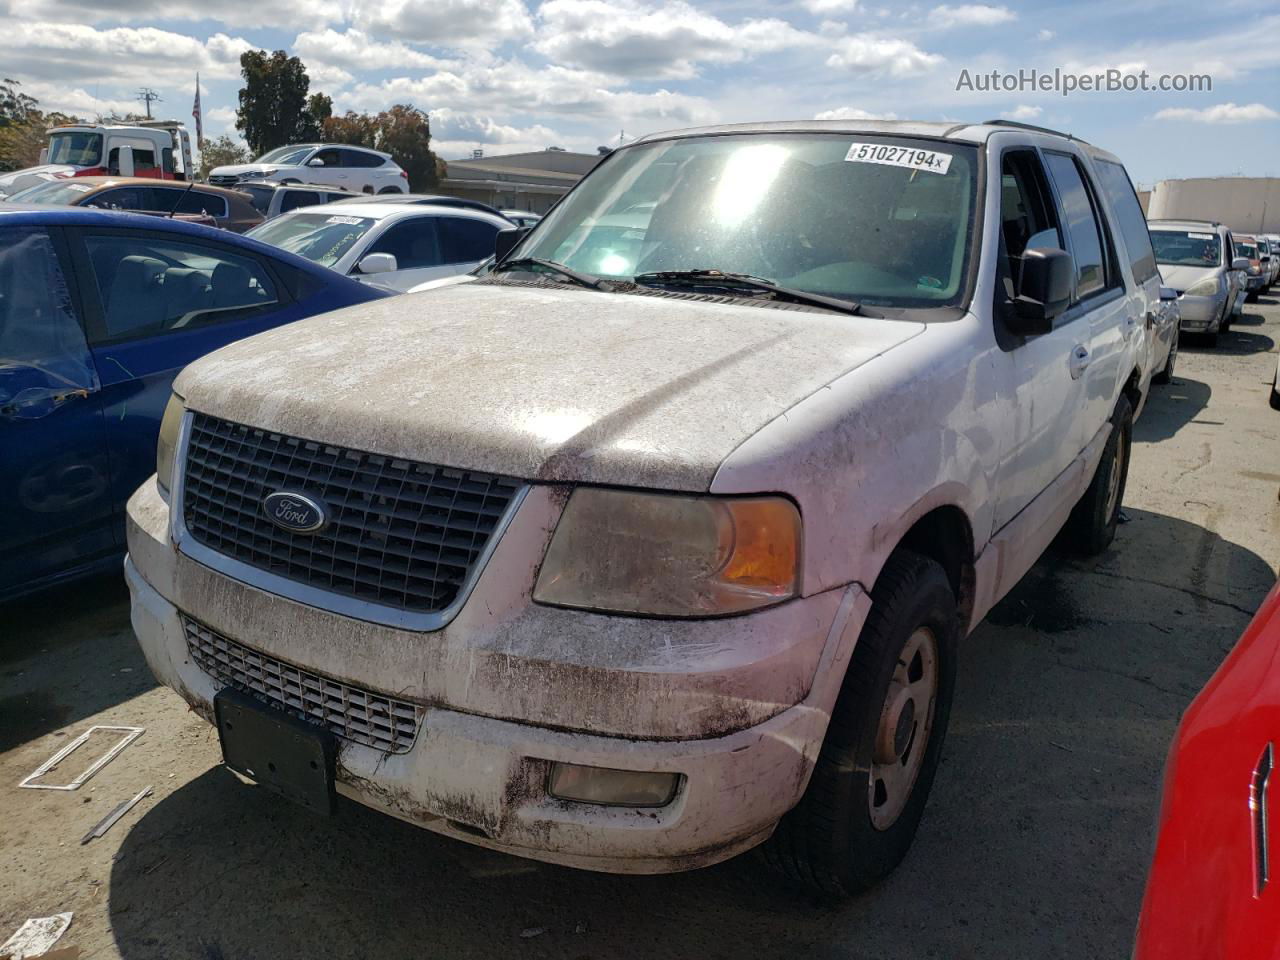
pixel 195 112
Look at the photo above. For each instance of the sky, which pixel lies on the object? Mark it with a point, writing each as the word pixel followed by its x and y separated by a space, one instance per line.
pixel 511 75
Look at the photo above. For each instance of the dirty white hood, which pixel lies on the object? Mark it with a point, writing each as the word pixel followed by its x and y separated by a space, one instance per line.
pixel 542 384
pixel 1184 278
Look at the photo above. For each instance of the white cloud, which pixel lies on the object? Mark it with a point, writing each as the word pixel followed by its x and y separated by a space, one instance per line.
pixel 355 50
pixel 63 54
pixel 1024 112
pixel 866 53
pixel 629 38
pixel 969 15
pixel 276 13
pixel 1044 34
pixel 444 23
pixel 1220 113
pixel 830 6
pixel 853 113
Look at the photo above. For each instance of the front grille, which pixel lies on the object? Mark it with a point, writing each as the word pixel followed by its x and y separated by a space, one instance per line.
pixel 354 714
pixel 224 181
pixel 400 534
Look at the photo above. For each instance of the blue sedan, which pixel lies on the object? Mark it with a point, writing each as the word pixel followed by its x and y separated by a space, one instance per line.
pixel 98 313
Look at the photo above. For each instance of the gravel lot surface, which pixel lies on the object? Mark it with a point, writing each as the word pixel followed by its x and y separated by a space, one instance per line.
pixel 1035 843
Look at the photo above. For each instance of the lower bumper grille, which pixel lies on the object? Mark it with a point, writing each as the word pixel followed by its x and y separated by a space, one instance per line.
pixel 350 712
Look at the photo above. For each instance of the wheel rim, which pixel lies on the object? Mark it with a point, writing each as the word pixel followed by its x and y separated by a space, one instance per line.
pixel 1117 474
pixel 906 721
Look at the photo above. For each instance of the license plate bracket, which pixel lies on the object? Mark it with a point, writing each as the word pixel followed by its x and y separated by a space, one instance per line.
pixel 279 751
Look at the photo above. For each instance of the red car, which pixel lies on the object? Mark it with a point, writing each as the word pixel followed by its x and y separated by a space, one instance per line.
pixel 1214 889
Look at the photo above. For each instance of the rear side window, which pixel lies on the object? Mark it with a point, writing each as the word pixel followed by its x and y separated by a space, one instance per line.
pixel 412 242
pixel 358 158
pixel 293 199
pixel 155 285
pixel 1115 183
pixel 1081 221
pixel 464 240
pixel 196 201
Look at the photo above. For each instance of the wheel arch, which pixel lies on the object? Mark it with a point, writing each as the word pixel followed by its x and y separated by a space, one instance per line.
pixel 944 533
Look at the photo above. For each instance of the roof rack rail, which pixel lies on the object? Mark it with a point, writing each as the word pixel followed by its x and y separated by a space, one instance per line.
pixel 1030 126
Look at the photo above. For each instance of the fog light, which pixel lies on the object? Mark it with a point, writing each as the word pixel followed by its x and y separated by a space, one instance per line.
pixel 614 788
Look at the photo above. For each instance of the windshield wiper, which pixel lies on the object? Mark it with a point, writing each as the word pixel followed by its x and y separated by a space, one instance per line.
pixel 583 279
pixel 717 278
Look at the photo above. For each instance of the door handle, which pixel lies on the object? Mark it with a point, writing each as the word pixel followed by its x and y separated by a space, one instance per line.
pixel 1130 325
pixel 1079 361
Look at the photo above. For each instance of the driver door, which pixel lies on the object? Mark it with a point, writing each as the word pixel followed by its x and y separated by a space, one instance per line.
pixel 54 475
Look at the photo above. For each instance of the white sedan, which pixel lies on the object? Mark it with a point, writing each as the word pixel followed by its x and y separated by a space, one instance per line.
pixel 390 245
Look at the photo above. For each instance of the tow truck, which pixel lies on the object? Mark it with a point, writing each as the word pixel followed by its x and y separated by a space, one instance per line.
pixel 144 148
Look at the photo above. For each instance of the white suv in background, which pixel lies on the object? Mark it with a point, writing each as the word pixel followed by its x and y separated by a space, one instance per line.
pixel 356 169
pixel 659 541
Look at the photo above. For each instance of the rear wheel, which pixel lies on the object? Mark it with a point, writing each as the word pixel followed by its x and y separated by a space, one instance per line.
pixel 1092 524
pixel 389 190
pixel 872 777
pixel 1275 390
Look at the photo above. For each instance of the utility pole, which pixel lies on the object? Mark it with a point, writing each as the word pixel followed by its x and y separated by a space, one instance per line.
pixel 148 96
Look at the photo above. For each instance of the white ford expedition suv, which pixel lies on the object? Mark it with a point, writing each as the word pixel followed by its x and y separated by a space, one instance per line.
pixel 659 541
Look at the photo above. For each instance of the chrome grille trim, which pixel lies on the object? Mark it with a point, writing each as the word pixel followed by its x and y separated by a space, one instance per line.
pixel 352 713
pixel 406 545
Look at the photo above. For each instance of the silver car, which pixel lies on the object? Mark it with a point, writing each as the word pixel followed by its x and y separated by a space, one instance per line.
pixel 1196 259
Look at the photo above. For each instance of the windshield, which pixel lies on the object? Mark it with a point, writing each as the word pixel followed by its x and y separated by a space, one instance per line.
pixel 1179 248
pixel 1247 250
pixel 320 237
pixel 57 191
pixel 284 155
pixel 76 149
pixel 884 221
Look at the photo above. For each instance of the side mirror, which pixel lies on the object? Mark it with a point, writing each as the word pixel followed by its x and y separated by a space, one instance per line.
pixel 504 241
pixel 125 163
pixel 1168 294
pixel 378 263
pixel 44 156
pixel 1240 263
pixel 315 162
pixel 1042 289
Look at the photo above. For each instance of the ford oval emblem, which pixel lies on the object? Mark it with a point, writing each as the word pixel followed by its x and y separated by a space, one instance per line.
pixel 294 512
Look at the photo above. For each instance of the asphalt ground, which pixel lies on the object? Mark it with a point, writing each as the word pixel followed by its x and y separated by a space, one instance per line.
pixel 1035 843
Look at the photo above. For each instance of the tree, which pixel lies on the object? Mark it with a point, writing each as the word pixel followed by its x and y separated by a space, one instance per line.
pixel 274 108
pixel 15 106
pixel 319 109
pixel 357 129
pixel 221 152
pixel 405 133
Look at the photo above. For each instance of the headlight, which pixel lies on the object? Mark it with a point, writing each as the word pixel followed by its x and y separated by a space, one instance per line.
pixel 668 555
pixel 167 445
pixel 1205 288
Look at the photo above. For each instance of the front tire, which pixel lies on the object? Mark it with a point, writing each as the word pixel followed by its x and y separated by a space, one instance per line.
pixel 1275 391
pixel 864 802
pixel 1092 524
pixel 390 190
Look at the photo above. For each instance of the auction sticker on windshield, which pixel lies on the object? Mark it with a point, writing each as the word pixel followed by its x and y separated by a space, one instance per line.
pixel 350 221
pixel 911 157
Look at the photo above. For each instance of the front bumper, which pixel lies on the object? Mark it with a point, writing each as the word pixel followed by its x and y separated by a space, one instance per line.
pixel 481 776
pixel 1200 314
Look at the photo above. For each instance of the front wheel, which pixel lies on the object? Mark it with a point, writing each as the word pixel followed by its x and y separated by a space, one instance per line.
pixel 1275 391
pixel 864 802
pixel 1092 524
